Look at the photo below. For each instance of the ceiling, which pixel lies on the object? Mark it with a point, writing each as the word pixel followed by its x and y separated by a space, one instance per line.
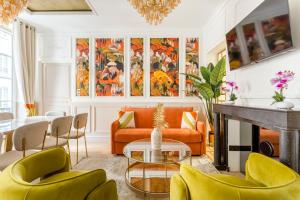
pixel 57 5
pixel 120 15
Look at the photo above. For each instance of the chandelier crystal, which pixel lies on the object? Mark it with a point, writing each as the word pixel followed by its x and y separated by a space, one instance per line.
pixel 10 9
pixel 154 11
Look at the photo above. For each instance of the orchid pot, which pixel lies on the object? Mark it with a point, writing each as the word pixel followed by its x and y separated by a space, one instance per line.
pixel 281 83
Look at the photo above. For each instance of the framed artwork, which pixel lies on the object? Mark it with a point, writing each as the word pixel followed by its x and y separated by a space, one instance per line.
pixel 137 67
pixel 164 67
pixel 234 50
pixel 277 32
pixel 191 63
pixel 254 49
pixel 109 64
pixel 82 67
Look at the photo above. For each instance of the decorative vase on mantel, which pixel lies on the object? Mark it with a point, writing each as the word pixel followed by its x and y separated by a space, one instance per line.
pixel 156 139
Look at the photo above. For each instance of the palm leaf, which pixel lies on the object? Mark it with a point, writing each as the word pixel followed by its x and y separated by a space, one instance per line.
pixel 218 72
pixel 205 74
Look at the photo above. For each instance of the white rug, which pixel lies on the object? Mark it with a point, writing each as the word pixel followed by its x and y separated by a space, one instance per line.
pixel 115 167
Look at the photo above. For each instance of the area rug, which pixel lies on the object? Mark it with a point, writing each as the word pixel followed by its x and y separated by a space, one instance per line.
pixel 115 167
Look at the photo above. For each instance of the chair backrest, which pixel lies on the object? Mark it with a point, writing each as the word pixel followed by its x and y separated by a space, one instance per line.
pixel 30 136
pixel 80 120
pixel 56 113
pixel 6 116
pixel 40 164
pixel 61 126
pixel 267 171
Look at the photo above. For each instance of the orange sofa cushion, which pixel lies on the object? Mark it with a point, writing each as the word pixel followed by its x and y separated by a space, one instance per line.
pixel 144 116
pixel 183 135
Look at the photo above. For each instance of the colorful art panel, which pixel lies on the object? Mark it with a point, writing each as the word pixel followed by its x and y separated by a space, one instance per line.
pixel 277 33
pixel 137 67
pixel 254 49
pixel 82 67
pixel 234 50
pixel 109 64
pixel 164 67
pixel 191 63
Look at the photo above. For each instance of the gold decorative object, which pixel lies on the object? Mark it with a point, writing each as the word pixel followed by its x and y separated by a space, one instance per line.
pixel 9 10
pixel 154 10
pixel 159 117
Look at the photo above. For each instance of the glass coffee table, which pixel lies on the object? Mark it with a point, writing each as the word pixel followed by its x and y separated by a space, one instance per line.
pixel 149 171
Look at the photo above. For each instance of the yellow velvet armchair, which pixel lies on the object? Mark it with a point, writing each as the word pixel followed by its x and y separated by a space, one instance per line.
pixel 266 179
pixel 46 176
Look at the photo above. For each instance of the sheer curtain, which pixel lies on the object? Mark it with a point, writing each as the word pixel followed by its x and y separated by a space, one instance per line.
pixel 24 61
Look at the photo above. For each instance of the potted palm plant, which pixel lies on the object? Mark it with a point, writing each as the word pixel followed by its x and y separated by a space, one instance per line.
pixel 208 85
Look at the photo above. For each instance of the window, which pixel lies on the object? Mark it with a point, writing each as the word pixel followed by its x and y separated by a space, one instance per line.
pixel 6 70
pixel 221 54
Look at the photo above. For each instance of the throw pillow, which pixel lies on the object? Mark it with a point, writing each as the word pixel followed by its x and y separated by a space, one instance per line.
pixel 189 120
pixel 126 119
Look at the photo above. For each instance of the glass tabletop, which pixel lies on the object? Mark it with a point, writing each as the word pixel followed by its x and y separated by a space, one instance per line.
pixel 171 151
pixel 10 125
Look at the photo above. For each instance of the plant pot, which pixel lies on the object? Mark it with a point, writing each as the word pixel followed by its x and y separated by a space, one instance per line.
pixel 285 105
pixel 156 139
pixel 229 102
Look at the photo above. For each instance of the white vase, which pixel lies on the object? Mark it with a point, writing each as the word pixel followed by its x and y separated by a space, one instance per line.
pixel 285 105
pixel 156 139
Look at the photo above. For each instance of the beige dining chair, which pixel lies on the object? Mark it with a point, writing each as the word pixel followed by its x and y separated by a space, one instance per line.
pixel 59 126
pixel 79 125
pixel 7 139
pixel 1 142
pixel 6 116
pixel 56 113
pixel 25 139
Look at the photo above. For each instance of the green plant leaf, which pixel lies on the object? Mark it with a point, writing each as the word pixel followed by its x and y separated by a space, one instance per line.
pixel 210 67
pixel 218 72
pixel 205 74
pixel 205 90
pixel 194 77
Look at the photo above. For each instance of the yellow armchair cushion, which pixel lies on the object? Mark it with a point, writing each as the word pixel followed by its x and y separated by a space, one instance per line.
pixel 259 183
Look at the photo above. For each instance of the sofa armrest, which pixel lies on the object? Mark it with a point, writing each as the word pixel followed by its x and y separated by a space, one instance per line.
pixel 178 188
pixel 201 128
pixel 114 127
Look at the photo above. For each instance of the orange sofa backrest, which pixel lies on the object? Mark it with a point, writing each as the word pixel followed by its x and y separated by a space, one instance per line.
pixel 144 116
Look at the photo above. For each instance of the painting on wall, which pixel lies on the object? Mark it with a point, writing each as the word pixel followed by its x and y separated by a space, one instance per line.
pixel 82 67
pixel 137 67
pixel 164 67
pixel 191 63
pixel 254 49
pixel 234 50
pixel 277 33
pixel 109 64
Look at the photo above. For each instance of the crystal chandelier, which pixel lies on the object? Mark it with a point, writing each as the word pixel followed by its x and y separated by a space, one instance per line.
pixel 154 10
pixel 9 10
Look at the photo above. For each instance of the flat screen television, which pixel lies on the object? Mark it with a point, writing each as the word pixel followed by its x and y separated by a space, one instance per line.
pixel 264 33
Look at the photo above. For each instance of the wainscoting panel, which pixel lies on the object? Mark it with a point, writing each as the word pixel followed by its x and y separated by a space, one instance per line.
pixel 56 88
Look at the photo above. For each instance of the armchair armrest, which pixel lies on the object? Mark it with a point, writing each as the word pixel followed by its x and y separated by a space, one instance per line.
pixel 72 187
pixel 178 188
pixel 105 191
pixel 114 127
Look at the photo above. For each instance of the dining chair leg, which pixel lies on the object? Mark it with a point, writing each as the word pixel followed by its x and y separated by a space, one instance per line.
pixel 86 152
pixel 77 152
pixel 68 146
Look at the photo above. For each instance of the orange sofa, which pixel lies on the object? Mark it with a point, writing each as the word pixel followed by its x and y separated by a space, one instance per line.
pixel 196 139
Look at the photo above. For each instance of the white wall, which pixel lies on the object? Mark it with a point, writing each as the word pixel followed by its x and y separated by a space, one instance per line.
pixel 254 80
pixel 56 69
